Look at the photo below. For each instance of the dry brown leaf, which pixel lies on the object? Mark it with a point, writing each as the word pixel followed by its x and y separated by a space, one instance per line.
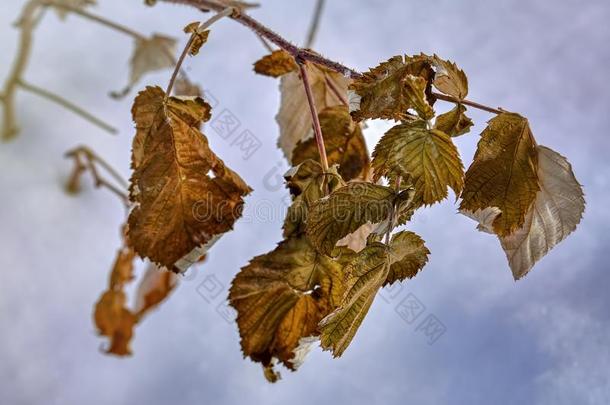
pixel 454 122
pixel 184 195
pixel 390 89
pixel 344 142
pixel 198 38
pixel 294 117
pixel 408 255
pixel 276 64
pixel 449 79
pixel 155 286
pixel 281 296
pixel 556 212
pixel 504 173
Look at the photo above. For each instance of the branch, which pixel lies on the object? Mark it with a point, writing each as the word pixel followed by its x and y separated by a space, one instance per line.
pixel 454 100
pixel 85 159
pixel 314 116
pixel 301 54
pixel 315 23
pixel 67 105
pixel 100 20
pixel 263 31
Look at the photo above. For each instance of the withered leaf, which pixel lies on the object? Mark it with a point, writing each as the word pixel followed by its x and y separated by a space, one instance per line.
pixel 294 117
pixel 504 173
pixel 390 89
pixel 155 286
pixel 276 64
pixel 115 321
pixel 449 79
pixel 149 55
pixel 365 275
pixel 428 156
pixel 184 196
pixel 281 296
pixel 345 210
pixel 557 210
pixel 408 255
pixel 344 142
pixel 454 122
pixel 307 183
pixel 198 38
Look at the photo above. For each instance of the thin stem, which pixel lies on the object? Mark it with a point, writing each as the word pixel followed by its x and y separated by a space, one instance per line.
pixel 450 99
pixel 85 159
pixel 314 116
pixel 265 43
pixel 315 24
pixel 97 19
pixel 66 104
pixel 257 27
pixel 392 213
pixel 223 13
pixel 27 23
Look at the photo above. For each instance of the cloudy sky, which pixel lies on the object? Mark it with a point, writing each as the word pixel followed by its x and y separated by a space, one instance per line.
pixel 542 340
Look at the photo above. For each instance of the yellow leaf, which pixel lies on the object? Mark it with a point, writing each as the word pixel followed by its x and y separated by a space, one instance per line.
pixel 408 255
pixel 344 142
pixel 365 275
pixel 281 296
pixel 276 64
pixel 557 210
pixel 345 210
pixel 184 196
pixel 390 89
pixel 294 117
pixel 455 122
pixel 428 156
pixel 504 173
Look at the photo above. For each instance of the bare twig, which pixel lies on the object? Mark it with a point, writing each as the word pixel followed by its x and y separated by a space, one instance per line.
pixel 223 13
pixel 86 160
pixel 315 24
pixel 314 116
pixel 67 105
pixel 98 19
pixel 27 23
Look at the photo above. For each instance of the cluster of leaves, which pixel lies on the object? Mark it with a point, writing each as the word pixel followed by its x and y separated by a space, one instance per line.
pixel 314 287
pixel 346 232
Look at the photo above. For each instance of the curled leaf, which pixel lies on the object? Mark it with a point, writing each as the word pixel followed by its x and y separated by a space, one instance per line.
pixel 280 297
pixel 276 64
pixel 449 79
pixel 454 122
pixel 198 38
pixel 390 89
pixel 184 195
